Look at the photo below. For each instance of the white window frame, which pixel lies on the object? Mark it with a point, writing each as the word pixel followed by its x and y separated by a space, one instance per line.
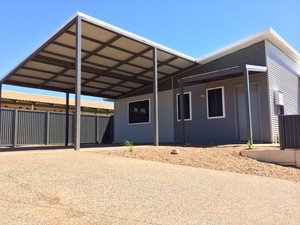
pixel 190 101
pixel 223 103
pixel 140 100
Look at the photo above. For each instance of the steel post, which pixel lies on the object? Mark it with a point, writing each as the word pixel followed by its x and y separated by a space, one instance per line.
pixel 155 96
pixel 67 119
pixel 181 107
pixel 78 84
pixel 248 105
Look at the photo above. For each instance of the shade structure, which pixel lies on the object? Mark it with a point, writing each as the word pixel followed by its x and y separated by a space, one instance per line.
pixel 90 57
pixel 114 62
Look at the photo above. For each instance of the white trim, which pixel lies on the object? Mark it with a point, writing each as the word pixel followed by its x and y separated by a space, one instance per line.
pixel 223 103
pixel 140 100
pixel 190 101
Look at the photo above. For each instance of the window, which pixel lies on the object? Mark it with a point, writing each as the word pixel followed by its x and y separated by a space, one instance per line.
pixel 215 103
pixel 187 106
pixel 139 112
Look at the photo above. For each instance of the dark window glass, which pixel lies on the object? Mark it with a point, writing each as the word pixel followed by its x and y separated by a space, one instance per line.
pixel 215 102
pixel 186 99
pixel 139 112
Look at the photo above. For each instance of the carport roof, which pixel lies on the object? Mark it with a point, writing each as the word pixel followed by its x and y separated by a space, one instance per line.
pixel 115 62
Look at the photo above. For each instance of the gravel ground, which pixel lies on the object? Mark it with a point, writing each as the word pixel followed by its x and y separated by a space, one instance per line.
pixel 68 187
pixel 225 158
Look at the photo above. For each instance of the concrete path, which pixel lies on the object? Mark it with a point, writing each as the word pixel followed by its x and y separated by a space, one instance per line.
pixel 68 187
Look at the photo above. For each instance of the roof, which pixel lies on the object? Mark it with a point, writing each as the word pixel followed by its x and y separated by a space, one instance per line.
pixel 115 62
pixel 224 73
pixel 19 96
pixel 267 34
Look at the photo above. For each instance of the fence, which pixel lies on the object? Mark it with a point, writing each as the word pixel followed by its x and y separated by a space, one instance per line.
pixel 289 131
pixel 22 127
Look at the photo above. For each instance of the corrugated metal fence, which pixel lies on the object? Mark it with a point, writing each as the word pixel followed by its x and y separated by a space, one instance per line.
pixel 23 127
pixel 289 131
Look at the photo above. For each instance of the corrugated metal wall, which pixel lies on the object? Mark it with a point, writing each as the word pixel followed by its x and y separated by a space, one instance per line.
pixel 282 77
pixel 88 129
pixel 105 129
pixel 6 128
pixel 31 128
pixel 289 130
pixel 57 128
pixel 23 127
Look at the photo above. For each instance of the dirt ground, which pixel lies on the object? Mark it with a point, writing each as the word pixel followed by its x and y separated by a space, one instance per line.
pixel 225 158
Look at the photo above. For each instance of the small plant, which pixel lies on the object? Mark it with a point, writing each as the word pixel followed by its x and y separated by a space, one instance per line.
pixel 129 145
pixel 201 151
pixel 249 144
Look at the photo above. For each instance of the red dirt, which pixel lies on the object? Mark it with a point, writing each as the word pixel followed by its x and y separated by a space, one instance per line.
pixel 225 158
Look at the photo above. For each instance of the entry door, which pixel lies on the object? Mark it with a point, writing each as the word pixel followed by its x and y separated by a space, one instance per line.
pixel 241 112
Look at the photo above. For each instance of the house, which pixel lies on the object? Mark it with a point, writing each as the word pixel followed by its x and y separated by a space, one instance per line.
pixel 20 100
pixel 231 95
pixel 215 109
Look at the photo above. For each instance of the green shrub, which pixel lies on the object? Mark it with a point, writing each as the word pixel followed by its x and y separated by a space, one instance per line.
pixel 249 145
pixel 129 145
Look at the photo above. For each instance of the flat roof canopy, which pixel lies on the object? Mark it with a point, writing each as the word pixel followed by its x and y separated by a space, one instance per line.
pixel 226 73
pixel 114 62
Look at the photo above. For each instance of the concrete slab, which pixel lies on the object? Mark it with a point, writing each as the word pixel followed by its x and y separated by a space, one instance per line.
pixel 71 187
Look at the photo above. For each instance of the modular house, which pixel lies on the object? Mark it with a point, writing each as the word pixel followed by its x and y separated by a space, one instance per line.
pixel 231 95
pixel 214 104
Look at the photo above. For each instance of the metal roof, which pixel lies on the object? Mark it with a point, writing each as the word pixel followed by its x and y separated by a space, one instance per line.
pixel 115 62
pixel 224 73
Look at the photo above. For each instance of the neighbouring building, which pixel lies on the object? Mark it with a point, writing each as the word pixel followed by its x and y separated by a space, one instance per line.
pixel 20 100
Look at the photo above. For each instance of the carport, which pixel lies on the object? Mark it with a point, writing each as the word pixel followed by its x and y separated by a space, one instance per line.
pixel 90 57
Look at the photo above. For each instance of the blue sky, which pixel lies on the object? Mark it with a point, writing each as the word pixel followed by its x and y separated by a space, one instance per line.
pixel 193 27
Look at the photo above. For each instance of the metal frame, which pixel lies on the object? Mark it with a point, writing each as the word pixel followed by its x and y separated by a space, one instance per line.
pixel 221 75
pixel 67 118
pixel 78 84
pixel 58 64
pixel 155 96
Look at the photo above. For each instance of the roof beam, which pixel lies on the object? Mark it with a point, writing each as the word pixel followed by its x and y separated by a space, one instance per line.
pixel 101 47
pixel 61 63
pixel 139 74
pixel 159 81
pixel 115 47
pixel 122 63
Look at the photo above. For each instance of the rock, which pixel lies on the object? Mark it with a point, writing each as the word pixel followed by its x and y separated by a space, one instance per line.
pixel 175 151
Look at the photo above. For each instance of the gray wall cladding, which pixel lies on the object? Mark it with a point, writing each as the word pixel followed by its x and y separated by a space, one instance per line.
pixel 282 77
pixel 254 55
pixel 143 133
pixel 201 130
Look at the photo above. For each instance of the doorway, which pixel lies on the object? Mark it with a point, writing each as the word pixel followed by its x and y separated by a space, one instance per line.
pixel 241 112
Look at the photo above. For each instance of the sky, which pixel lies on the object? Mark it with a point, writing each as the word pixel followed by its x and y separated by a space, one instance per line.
pixel 193 27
